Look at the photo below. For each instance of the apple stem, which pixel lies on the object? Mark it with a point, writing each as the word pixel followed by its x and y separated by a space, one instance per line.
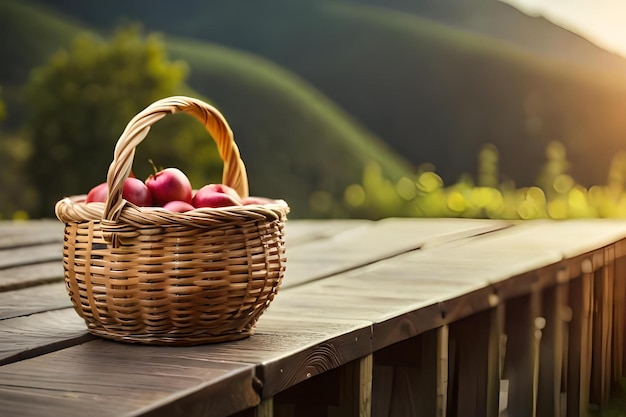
pixel 153 166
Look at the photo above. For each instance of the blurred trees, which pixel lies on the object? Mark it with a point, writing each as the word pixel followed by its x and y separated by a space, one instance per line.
pixel 557 194
pixel 80 102
pixel 14 192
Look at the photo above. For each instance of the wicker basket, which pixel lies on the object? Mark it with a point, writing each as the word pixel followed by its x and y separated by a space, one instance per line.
pixel 148 275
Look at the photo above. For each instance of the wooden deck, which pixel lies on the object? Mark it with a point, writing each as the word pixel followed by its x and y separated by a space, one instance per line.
pixel 399 317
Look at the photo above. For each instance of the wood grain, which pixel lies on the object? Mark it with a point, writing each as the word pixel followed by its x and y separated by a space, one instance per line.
pixel 27 255
pixel 34 232
pixel 303 230
pixel 23 276
pixel 37 334
pixel 287 351
pixel 361 246
pixel 103 378
pixel 32 300
pixel 570 238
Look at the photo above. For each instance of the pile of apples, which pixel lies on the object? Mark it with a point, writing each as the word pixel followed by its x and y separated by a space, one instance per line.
pixel 171 189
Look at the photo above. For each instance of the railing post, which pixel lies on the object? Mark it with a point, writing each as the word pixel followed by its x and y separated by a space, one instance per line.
pixel 523 329
pixel 495 358
pixel 580 331
pixel 619 312
pixel 442 370
pixel 366 365
pixel 553 348
pixel 265 409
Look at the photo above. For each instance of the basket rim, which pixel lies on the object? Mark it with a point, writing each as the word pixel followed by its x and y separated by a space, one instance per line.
pixel 74 209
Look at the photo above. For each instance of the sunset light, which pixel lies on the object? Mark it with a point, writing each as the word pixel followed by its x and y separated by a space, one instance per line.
pixel 602 21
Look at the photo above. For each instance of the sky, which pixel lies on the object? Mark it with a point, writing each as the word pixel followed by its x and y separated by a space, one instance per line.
pixel 601 21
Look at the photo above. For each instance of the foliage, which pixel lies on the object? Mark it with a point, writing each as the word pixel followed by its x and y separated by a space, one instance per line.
pixel 14 193
pixel 557 195
pixel 79 103
pixel 30 35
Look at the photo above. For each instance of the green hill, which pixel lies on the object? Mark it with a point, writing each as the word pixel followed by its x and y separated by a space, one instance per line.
pixel 433 93
pixel 293 139
pixel 28 36
pixel 499 20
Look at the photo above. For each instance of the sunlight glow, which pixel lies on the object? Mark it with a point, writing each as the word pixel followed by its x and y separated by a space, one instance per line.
pixel 603 22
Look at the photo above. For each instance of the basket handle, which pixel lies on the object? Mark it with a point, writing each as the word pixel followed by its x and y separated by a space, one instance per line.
pixel 233 174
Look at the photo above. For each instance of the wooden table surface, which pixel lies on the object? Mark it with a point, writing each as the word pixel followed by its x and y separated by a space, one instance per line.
pixel 352 288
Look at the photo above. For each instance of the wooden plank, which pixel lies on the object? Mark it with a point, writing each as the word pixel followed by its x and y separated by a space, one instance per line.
pixel 104 378
pixel 571 238
pixel 26 337
pixel 18 277
pixel 30 233
pixel 345 298
pixel 386 238
pixel 27 255
pixel 32 300
pixel 288 352
pixel 480 263
pixel 417 320
pixel 400 294
pixel 291 350
pixel 304 230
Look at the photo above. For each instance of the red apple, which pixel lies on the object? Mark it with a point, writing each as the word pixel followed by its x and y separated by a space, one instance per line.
pixel 257 200
pixel 219 188
pixel 133 190
pixel 138 193
pixel 98 193
pixel 169 184
pixel 178 206
pixel 216 195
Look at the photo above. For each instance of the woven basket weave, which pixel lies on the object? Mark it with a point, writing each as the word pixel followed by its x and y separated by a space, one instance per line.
pixel 148 275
